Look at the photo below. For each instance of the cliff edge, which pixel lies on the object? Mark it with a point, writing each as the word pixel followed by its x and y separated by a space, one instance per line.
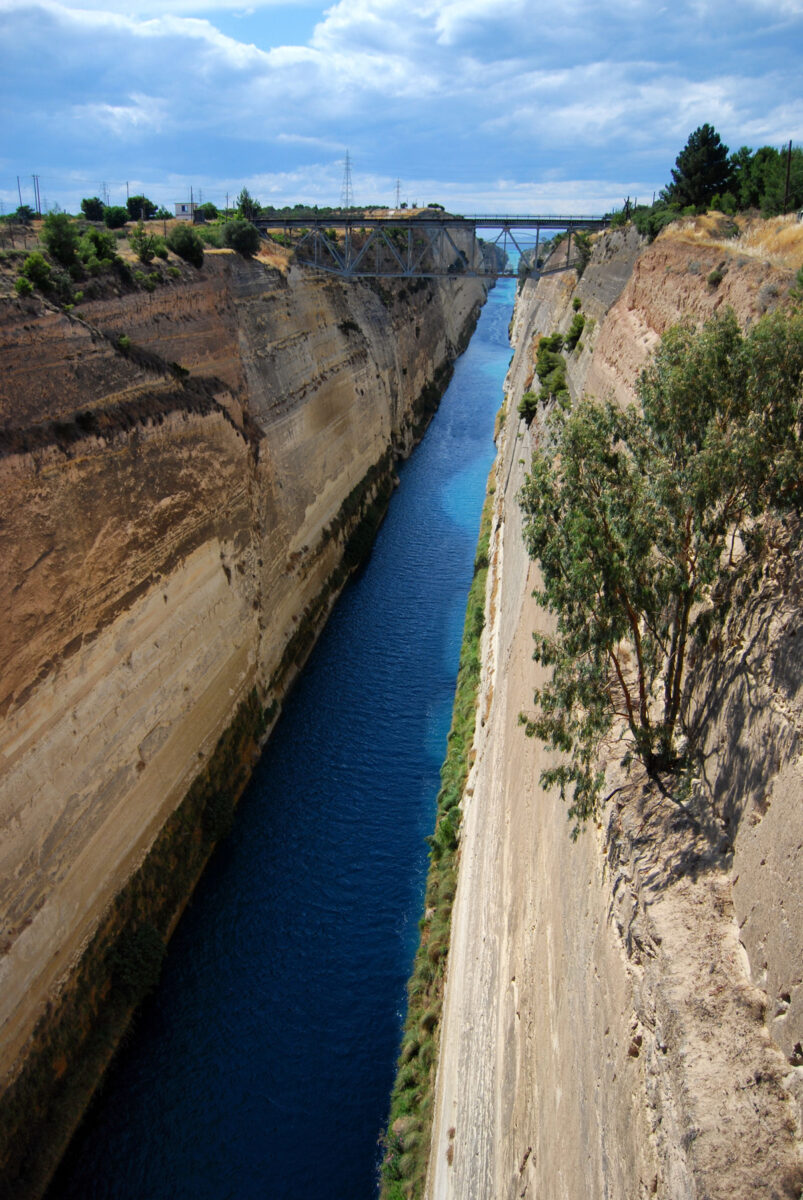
pixel 623 1014
pixel 188 474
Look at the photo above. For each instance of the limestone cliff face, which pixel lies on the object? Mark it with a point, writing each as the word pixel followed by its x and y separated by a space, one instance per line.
pixel 175 510
pixel 622 1015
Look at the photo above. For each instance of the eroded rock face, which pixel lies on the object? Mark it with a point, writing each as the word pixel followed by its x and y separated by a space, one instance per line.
pixel 173 536
pixel 623 1014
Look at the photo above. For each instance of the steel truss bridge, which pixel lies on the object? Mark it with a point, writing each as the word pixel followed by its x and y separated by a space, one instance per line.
pixel 427 246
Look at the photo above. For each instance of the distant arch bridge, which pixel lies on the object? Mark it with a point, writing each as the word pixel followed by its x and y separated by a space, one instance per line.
pixel 430 245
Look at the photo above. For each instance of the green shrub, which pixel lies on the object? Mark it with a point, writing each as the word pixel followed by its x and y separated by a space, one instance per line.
pixel 575 330
pixel 211 235
pixel 715 277
pixel 142 243
pixel 632 515
pixel 38 270
pixel 23 286
pixel 60 237
pixel 184 241
pixel 139 208
pixel 137 961
pixel 98 244
pixel 577 304
pixel 93 208
pixel 241 236
pixel 115 216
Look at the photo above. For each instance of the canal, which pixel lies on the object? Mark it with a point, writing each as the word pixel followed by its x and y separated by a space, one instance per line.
pixel 262 1066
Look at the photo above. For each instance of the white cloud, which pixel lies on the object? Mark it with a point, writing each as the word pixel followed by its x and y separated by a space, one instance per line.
pixel 142 113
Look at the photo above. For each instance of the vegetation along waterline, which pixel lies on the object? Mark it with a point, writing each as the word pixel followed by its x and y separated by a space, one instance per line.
pixel 278 1010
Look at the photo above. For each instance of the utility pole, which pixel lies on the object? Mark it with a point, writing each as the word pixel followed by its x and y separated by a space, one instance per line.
pixel 19 190
pixel 36 195
pixel 126 192
pixel 398 192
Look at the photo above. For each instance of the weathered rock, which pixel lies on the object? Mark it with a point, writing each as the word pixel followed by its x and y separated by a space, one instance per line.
pixel 623 1014
pixel 175 511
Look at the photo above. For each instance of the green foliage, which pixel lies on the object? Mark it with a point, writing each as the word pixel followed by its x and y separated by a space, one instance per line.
pixel 207 211
pixel 550 365
pixel 715 277
pixel 137 961
pixel 139 208
pixel 115 216
pixel 575 331
pixel 38 270
pixel 143 244
pixel 184 241
pixel 633 515
pixel 528 406
pixel 582 243
pixel 701 169
pixel 92 207
pixel 577 303
pixel 774 196
pixel 651 219
pixel 211 235
pixel 242 236
pixel 60 237
pixel 23 286
pixel 247 207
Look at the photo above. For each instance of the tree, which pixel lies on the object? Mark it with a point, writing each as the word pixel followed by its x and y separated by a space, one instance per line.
pixel 775 197
pixel 140 208
pixel 701 170
pixel 115 216
pixel 184 241
pixel 241 236
pixel 143 244
pixel 247 206
pixel 37 269
pixel 208 211
pixel 633 516
pixel 92 207
pixel 60 237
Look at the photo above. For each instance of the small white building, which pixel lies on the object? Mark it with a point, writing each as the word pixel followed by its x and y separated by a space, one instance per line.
pixel 185 210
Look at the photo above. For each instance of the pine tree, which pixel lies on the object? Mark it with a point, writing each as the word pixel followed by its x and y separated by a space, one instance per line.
pixel 702 169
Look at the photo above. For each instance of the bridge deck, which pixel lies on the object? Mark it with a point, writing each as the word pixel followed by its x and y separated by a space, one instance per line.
pixel 480 221
pixel 419 245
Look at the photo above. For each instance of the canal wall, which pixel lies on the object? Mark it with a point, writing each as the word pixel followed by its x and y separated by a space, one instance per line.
pixel 188 475
pixel 622 1014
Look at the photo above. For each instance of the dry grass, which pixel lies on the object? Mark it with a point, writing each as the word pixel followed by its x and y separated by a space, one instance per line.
pixel 778 241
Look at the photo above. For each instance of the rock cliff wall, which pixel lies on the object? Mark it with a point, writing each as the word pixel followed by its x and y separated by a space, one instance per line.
pixel 186 476
pixel 622 1014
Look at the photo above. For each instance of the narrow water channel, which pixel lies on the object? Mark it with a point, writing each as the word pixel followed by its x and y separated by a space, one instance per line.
pixel 262 1066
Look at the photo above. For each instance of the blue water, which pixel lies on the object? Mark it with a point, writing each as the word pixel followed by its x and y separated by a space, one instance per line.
pixel 263 1064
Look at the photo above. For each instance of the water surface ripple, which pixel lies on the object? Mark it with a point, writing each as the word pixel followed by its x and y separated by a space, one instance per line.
pixel 262 1066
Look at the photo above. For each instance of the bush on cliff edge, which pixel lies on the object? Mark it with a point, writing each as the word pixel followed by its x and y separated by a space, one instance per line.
pixel 636 517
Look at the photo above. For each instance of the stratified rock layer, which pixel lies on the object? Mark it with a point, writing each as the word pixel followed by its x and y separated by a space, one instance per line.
pixel 623 1014
pixel 180 474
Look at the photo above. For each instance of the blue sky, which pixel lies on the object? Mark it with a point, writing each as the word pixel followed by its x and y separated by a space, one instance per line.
pixel 482 105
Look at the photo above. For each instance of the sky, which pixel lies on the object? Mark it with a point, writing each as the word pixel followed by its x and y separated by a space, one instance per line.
pixel 515 106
